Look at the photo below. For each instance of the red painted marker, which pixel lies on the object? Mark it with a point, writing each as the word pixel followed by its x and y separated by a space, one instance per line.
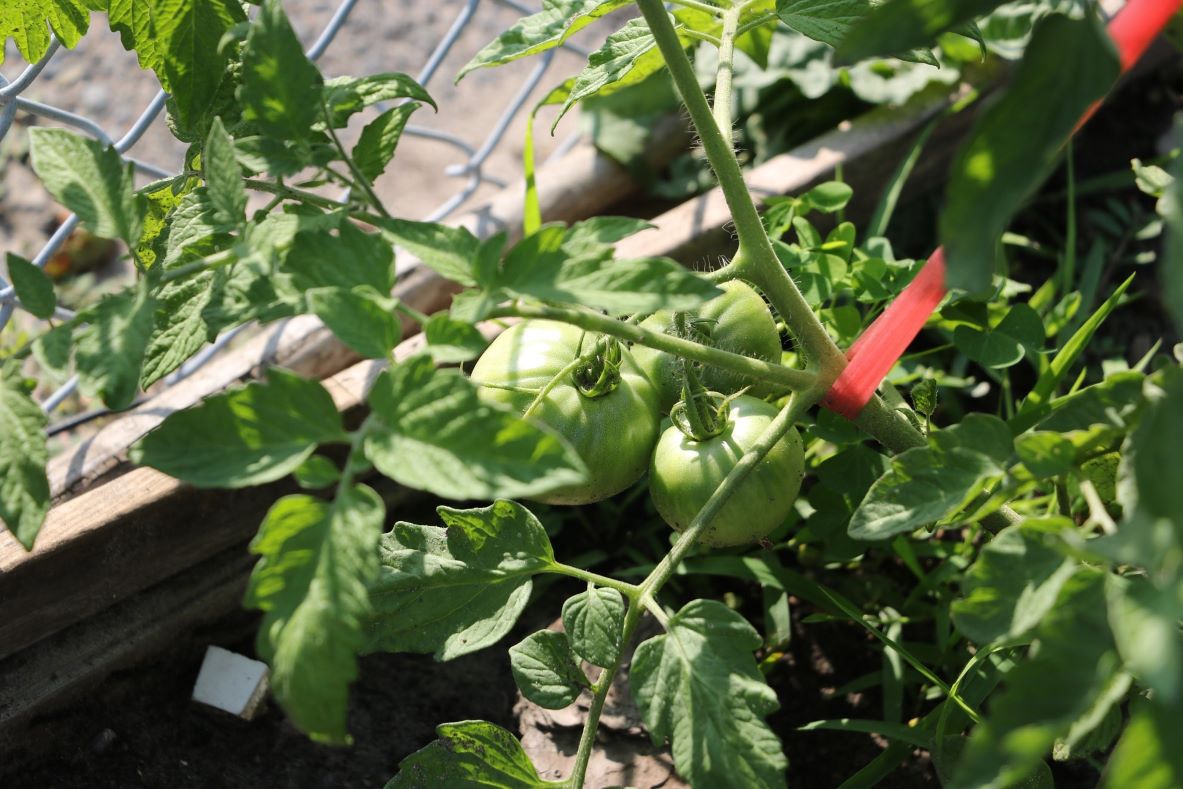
pixel 876 351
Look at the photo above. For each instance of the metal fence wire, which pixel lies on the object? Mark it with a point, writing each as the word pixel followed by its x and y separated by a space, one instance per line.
pixel 469 171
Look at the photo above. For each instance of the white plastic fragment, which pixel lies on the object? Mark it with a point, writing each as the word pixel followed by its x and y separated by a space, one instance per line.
pixel 231 682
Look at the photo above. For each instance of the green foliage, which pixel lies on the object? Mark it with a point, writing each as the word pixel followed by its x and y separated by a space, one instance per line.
pixel 33 286
pixel 699 686
pixel 545 670
pixel 469 755
pixel 91 180
pixel 898 25
pixel 1012 149
pixel 311 584
pixel 460 588
pixel 255 434
pixel 28 24
pixel 594 621
pixel 24 489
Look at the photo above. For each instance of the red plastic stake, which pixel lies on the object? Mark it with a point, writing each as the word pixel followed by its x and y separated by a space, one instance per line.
pixel 876 351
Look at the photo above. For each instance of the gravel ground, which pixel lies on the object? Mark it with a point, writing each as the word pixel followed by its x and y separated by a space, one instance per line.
pixel 103 82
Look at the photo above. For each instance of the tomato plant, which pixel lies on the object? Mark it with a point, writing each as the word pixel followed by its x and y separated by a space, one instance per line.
pixel 1018 472
pixel 589 391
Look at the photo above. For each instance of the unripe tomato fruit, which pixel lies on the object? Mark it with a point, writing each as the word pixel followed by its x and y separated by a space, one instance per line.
pixel 685 473
pixel 613 433
pixel 738 321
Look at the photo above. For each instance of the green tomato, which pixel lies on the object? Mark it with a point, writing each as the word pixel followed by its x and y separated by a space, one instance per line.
pixel 738 320
pixel 685 473
pixel 613 432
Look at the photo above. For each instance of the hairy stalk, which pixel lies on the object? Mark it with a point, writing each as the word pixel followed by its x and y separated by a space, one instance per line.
pixel 757 260
pixel 630 591
pixel 723 78
pixel 791 379
pixel 358 176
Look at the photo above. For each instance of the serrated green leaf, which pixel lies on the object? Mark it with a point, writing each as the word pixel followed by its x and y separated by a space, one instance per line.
pixel 24 488
pixel 28 22
pixel 450 251
pixel 541 267
pixel 452 342
pixel 433 433
pixel 193 228
pixel 316 472
pixel 351 258
pixel 594 621
pixel 1012 148
pixel 1014 583
pixel 33 287
pixel 375 147
pixel 346 96
pixel 185 47
pixel 223 176
pixel 925 397
pixel 311 584
pixel 898 25
pixel 460 588
pixel 162 200
pixel 627 57
pixel 180 326
pixel 281 88
pixel 545 670
pixel 110 348
pixel 248 436
pixel 469 755
pixel 91 180
pixel 926 484
pixel 361 318
pixel 554 24
pixel 698 685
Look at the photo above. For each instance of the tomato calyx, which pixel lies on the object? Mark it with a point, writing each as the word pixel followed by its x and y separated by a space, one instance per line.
pixel 598 372
pixel 700 414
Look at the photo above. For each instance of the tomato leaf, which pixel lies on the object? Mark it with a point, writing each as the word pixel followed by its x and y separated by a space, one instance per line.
pixel 449 251
pixel 361 318
pixel 181 328
pixel 545 670
pixel 432 433
pixel 223 177
pixel 24 487
pixel 347 96
pixel 698 685
pixel 927 484
pixel 898 25
pixel 248 436
pixel 110 346
pixel 28 23
pixel 375 147
pixel 469 754
pixel 281 88
pixel 1046 453
pixel 1145 618
pixel 316 472
pixel 1072 676
pixel 830 21
pixel 460 588
pixel 1148 755
pixel 357 259
pixel 1019 334
pixel 594 621
pixel 1013 148
pixel 90 179
pixel 1014 583
pixel 450 341
pixel 33 287
pixel 554 24
pixel 317 559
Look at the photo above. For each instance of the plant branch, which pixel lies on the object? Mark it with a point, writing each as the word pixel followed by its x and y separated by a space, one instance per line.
pixel 630 591
pixel 358 176
pixel 789 378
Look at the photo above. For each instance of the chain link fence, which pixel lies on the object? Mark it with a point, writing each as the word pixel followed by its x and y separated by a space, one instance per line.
pixel 473 149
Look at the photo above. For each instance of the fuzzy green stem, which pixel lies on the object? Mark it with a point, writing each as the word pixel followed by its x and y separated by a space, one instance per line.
pixel 358 175
pixel 761 265
pixel 726 69
pixel 630 591
pixel 794 380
